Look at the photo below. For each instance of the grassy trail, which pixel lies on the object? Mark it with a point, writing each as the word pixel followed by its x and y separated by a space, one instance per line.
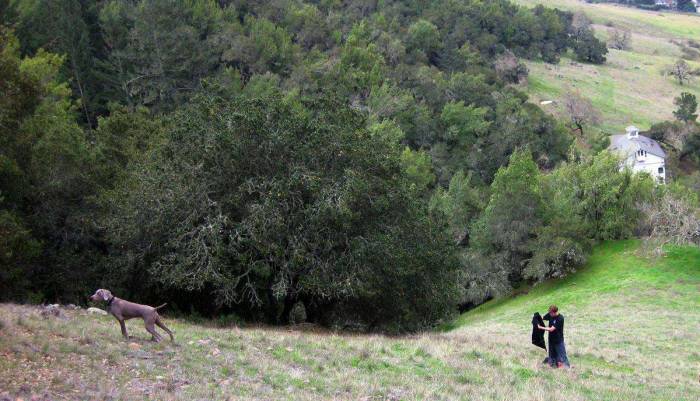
pixel 632 333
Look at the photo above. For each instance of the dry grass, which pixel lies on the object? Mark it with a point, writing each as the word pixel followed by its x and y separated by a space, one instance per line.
pixel 632 87
pixel 632 333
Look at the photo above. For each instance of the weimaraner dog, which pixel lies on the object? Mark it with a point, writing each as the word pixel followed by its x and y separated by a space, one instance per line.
pixel 125 310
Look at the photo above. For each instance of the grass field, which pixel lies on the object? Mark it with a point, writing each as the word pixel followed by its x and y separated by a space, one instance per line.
pixel 632 87
pixel 632 333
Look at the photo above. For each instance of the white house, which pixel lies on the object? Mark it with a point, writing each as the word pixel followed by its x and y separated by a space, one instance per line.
pixel 640 153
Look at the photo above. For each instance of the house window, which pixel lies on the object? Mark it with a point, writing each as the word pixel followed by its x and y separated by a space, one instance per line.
pixel 661 170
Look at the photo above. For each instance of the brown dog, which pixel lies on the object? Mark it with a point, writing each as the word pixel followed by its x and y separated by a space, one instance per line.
pixel 125 310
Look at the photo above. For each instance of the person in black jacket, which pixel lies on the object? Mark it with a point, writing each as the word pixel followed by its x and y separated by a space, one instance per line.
pixel 538 334
pixel 557 349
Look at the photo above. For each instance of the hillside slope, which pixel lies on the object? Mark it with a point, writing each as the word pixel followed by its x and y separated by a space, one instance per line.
pixel 633 86
pixel 632 333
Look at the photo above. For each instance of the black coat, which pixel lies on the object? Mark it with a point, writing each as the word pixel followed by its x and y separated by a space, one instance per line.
pixel 537 333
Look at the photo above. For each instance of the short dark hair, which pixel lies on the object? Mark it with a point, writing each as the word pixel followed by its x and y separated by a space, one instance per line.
pixel 554 309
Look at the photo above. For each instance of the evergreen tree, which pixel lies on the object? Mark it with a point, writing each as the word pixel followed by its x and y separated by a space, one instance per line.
pixel 502 236
pixel 687 107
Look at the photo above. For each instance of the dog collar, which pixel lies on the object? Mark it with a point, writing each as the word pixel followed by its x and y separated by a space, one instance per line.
pixel 109 302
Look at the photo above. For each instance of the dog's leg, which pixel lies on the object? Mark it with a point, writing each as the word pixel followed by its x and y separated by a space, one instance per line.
pixel 149 328
pixel 123 326
pixel 167 330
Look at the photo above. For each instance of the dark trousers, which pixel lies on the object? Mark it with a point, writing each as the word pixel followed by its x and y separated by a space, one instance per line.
pixel 557 353
pixel 552 355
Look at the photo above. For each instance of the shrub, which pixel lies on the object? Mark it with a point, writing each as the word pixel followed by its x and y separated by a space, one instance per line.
pixel 672 217
pixel 687 107
pixel 297 314
pixel 619 39
pixel 509 68
pixel 589 49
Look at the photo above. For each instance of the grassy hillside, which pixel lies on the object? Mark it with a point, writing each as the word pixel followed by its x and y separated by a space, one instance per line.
pixel 632 333
pixel 657 23
pixel 632 87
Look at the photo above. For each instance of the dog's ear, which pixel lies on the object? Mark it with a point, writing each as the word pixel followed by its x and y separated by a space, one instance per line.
pixel 105 294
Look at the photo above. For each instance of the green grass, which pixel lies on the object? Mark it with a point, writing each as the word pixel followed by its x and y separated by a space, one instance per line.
pixel 668 24
pixel 632 87
pixel 632 333
pixel 613 270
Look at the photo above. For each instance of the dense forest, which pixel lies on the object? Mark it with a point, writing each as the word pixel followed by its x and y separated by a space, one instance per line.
pixel 361 164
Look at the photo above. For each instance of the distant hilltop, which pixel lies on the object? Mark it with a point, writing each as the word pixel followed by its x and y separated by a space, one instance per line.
pixel 676 5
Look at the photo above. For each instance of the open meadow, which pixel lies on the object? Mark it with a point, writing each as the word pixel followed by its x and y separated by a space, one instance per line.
pixel 632 331
pixel 633 86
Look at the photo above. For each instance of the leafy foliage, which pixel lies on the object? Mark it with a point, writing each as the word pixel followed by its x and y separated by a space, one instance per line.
pixel 370 164
pixel 43 170
pixel 503 231
pixel 589 49
pixel 307 206
pixel 538 226
pixel 687 107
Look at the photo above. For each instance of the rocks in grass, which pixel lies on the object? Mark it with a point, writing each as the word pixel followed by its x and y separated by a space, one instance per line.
pixel 44 397
pixel 395 395
pixel 134 346
pixel 51 310
pixel 96 311
pixel 57 310
pixel 24 394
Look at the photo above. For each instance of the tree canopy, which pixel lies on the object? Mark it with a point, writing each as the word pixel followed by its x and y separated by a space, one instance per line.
pixel 368 165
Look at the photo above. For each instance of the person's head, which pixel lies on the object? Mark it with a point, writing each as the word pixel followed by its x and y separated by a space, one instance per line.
pixel 553 310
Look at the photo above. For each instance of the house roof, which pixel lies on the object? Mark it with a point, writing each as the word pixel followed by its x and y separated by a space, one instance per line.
pixel 631 145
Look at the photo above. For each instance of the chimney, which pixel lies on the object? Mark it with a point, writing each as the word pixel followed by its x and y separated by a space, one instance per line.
pixel 632 132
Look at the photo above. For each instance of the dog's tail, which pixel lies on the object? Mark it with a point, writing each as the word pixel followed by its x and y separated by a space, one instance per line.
pixel 158 307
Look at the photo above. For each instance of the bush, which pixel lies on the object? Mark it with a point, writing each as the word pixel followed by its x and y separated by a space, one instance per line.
pixel 659 131
pixel 589 49
pixel 691 142
pixel 510 69
pixel 18 249
pixel 672 217
pixel 619 39
pixel 228 320
pixel 297 314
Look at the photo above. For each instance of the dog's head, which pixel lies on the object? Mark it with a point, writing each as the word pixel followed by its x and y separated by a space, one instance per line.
pixel 101 295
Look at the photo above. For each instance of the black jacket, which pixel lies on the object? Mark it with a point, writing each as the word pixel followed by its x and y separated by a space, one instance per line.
pixel 538 334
